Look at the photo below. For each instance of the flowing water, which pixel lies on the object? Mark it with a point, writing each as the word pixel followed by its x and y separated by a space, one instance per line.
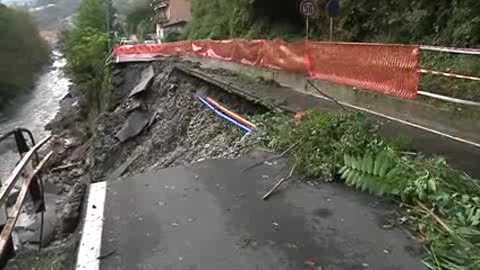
pixel 33 111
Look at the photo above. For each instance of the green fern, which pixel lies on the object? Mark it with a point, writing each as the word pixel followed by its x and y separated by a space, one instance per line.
pixel 378 174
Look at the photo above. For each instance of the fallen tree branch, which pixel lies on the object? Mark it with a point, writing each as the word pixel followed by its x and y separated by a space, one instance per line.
pixel 271 159
pixel 278 184
pixel 437 218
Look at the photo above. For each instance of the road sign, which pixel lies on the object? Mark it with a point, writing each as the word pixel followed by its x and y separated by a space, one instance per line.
pixel 308 8
pixel 333 8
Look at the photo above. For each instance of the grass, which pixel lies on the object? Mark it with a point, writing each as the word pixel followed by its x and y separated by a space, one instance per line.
pixel 442 205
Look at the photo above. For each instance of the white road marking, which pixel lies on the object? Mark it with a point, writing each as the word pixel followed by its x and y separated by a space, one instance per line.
pixel 455 138
pixel 449 99
pixel 91 242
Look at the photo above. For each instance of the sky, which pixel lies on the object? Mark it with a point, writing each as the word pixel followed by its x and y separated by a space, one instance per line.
pixel 10 2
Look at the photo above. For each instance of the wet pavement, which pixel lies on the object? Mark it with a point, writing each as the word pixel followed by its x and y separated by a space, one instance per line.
pixel 210 216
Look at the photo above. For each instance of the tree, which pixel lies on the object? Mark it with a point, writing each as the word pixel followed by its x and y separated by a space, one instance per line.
pixel 438 22
pixel 22 50
pixel 87 49
pixel 92 14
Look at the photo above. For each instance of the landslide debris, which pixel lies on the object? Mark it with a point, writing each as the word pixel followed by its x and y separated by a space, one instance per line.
pixel 165 124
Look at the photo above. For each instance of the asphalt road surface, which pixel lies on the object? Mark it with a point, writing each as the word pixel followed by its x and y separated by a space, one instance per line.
pixel 210 216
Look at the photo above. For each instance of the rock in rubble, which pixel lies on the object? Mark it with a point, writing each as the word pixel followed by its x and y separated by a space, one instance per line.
pixel 145 81
pixel 135 124
pixel 75 173
pixel 70 215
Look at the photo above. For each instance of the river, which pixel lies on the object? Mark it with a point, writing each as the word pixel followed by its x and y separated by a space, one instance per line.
pixel 33 111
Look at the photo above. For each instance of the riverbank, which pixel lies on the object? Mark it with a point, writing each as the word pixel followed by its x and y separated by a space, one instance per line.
pixel 33 111
pixel 64 191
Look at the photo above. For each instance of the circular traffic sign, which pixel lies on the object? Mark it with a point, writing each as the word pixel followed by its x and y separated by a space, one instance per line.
pixel 308 8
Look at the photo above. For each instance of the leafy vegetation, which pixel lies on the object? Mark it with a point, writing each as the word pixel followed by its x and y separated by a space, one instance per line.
pixel 22 52
pixel 441 204
pixel 419 21
pixel 221 19
pixel 399 21
pixel 325 139
pixel 87 51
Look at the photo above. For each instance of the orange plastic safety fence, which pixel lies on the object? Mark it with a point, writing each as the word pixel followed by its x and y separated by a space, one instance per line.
pixel 166 49
pixel 200 47
pixel 248 52
pixel 177 48
pixel 221 49
pixel 391 69
pixel 278 54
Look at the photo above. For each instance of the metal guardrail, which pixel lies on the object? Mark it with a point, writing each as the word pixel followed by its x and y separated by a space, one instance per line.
pixel 32 184
pixel 449 99
pixel 452 50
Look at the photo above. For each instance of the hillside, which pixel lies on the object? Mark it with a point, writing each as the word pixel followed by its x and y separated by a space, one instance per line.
pixel 54 15
pixel 439 22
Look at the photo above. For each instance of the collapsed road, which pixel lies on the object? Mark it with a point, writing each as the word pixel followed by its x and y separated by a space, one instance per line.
pixel 170 189
pixel 203 212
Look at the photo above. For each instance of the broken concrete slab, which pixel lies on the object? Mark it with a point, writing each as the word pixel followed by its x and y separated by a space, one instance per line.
pixel 135 124
pixel 145 81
